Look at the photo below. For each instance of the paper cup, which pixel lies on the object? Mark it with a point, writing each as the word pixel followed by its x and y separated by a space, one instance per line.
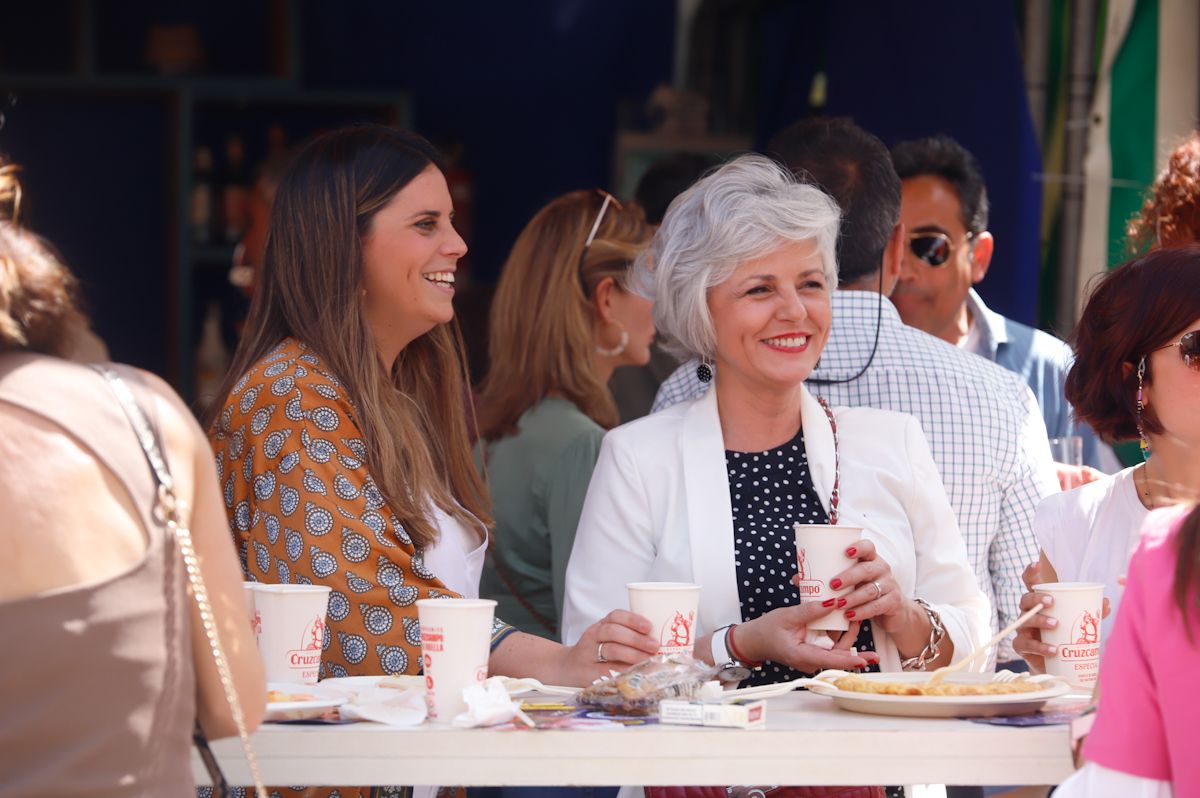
pixel 820 556
pixel 456 636
pixel 1078 607
pixel 671 608
pixel 252 608
pixel 292 630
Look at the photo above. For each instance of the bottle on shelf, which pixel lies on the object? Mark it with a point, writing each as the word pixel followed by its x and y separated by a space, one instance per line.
pixel 235 195
pixel 212 358
pixel 202 195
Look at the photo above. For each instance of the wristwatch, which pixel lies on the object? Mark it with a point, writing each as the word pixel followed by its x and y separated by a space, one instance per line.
pixel 731 669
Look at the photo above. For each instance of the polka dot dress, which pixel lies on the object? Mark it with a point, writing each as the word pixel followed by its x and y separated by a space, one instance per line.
pixel 769 492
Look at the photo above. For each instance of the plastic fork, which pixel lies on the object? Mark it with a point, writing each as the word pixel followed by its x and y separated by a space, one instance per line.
pixel 937 676
pixel 1004 677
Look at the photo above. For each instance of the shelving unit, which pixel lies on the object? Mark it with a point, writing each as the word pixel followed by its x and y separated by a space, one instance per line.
pixel 198 108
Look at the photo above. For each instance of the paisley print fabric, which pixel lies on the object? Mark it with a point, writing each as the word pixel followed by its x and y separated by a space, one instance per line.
pixel 303 509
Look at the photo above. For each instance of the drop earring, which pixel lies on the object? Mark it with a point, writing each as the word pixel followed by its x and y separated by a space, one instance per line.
pixel 620 347
pixel 1143 443
pixel 704 372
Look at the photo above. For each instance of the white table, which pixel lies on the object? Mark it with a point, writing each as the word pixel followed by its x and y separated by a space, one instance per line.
pixel 806 741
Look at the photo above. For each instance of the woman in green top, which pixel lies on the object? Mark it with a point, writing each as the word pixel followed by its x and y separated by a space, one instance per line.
pixel 563 319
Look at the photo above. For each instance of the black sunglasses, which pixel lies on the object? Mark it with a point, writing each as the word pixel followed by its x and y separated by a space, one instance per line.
pixel 1189 349
pixel 933 248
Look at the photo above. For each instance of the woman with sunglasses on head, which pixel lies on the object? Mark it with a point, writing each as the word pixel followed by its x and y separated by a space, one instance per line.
pixel 707 491
pixel 1136 376
pixel 562 320
pixel 342 442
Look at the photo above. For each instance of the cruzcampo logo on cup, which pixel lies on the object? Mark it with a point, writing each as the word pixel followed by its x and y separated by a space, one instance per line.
pixel 671 608
pixel 1078 609
pixel 292 630
pixel 308 656
pixel 820 556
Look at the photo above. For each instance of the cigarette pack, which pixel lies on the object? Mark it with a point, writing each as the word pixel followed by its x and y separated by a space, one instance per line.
pixel 748 714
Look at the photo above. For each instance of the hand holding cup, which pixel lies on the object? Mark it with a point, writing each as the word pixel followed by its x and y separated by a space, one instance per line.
pixel 875 593
pixel 1028 642
pixel 779 636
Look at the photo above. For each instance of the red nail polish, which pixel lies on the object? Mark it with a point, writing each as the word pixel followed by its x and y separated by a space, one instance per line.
pixel 835 584
pixel 850 552
pixel 841 602
pixel 828 602
pixel 850 614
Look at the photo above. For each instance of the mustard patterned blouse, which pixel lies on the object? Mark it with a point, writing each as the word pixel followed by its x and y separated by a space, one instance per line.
pixel 304 509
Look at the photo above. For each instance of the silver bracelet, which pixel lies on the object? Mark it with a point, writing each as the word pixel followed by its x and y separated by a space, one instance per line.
pixel 937 632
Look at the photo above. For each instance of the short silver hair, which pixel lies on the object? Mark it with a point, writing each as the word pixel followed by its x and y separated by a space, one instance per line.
pixel 742 211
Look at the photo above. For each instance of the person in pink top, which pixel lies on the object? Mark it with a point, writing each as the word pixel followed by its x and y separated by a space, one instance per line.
pixel 1143 741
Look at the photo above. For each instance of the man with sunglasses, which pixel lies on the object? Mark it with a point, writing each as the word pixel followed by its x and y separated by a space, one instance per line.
pixel 984 427
pixel 944 209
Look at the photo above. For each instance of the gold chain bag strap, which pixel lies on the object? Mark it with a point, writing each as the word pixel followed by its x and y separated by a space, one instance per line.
pixel 168 509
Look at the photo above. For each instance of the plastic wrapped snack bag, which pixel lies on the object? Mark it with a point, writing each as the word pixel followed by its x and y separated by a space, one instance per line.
pixel 638 690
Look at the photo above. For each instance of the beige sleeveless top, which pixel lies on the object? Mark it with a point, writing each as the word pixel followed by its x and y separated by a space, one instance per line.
pixel 97 691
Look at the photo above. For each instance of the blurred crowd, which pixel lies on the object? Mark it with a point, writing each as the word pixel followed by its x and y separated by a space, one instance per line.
pixel 673 382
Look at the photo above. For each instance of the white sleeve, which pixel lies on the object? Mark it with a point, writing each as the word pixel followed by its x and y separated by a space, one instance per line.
pixel 614 544
pixel 1096 781
pixel 944 575
pixel 1048 530
pixel 1062 526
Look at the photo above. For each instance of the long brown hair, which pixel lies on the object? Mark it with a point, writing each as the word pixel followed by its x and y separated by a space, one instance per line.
pixel 413 419
pixel 1187 566
pixel 541 339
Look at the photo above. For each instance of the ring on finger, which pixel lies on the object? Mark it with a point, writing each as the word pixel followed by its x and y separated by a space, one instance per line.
pixel 878 589
pixel 600 653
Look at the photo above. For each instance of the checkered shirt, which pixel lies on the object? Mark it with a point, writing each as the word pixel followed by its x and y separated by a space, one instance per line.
pixel 984 427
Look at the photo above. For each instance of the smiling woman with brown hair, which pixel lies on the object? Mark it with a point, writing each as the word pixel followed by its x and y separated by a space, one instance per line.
pixel 342 440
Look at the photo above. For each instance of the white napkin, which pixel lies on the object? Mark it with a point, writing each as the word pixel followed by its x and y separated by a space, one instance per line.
pixel 819 639
pixel 488 704
pixel 386 705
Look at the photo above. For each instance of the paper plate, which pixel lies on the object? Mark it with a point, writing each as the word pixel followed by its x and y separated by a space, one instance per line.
pixel 921 706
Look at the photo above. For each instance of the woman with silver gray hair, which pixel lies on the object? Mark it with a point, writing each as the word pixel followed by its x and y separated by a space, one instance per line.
pixel 741 273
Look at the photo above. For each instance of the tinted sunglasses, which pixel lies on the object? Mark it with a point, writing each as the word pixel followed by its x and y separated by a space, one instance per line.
pixel 609 199
pixel 1189 349
pixel 933 248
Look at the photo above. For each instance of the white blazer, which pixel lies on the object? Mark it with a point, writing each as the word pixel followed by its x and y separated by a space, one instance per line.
pixel 658 509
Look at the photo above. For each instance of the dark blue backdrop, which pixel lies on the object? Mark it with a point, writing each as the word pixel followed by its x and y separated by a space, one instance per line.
pixel 531 90
pixel 907 70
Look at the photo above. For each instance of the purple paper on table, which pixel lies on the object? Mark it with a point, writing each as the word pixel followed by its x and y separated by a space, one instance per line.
pixel 1060 715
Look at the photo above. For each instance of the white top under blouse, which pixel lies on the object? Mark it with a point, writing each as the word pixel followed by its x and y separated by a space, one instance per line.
pixel 457 556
